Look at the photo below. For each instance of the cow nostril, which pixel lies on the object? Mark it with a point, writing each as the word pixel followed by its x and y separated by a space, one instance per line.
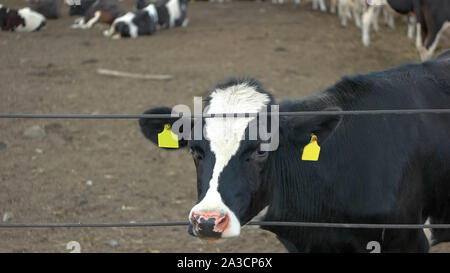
pixel 222 220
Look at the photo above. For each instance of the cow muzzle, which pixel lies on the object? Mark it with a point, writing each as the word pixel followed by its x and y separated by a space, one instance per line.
pixel 209 224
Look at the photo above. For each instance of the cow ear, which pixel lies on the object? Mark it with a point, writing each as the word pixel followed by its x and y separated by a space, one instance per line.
pixel 321 125
pixel 151 127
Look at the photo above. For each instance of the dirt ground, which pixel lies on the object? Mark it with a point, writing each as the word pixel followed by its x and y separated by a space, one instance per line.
pixel 292 50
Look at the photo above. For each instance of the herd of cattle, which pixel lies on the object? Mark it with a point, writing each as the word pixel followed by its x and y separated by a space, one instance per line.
pixel 145 20
pixel 428 18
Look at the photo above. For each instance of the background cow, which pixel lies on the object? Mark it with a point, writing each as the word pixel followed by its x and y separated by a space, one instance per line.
pixel 171 13
pixel 22 20
pixel 101 11
pixel 134 24
pixel 370 170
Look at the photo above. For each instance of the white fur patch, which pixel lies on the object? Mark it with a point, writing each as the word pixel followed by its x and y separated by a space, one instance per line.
pixel 151 9
pixel 174 11
pixel 225 135
pixel 32 20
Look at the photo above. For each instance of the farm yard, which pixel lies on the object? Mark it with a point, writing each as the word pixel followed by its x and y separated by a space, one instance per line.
pixel 105 170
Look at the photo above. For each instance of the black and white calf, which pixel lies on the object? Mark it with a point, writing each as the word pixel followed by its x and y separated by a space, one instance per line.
pixel 22 20
pixel 134 24
pixel 101 11
pixel 371 169
pixel 171 13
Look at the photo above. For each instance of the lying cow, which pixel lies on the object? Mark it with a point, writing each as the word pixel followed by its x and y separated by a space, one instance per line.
pixel 102 11
pixel 433 17
pixel 22 20
pixel 134 24
pixel 49 8
pixel 171 13
pixel 372 169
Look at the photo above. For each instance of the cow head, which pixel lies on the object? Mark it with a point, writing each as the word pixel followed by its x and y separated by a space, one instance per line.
pixel 232 171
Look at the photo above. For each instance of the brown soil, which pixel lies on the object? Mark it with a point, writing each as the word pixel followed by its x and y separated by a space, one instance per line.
pixel 293 50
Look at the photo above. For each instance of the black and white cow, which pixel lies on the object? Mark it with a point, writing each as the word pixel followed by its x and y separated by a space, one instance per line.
pixel 171 13
pixel 134 24
pixel 101 11
pixel 433 17
pixel 51 9
pixel 22 20
pixel 371 169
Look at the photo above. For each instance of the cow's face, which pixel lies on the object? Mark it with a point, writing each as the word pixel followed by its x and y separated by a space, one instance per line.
pixel 229 166
pixel 232 169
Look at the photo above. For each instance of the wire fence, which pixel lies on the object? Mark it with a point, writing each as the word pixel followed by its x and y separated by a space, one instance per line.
pixel 254 223
pixel 154 116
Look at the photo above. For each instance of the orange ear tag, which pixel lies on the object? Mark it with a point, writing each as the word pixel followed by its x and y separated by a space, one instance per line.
pixel 312 150
pixel 167 139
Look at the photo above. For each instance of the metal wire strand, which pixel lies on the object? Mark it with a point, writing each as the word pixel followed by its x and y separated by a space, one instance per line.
pixel 154 116
pixel 254 223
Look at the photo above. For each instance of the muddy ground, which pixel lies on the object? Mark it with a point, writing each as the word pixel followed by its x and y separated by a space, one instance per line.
pixel 292 50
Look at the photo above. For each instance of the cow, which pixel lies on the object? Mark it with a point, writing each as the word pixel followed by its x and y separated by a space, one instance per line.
pixel 22 20
pixel 49 8
pixel 101 11
pixel 433 18
pixel 390 169
pixel 134 24
pixel 171 13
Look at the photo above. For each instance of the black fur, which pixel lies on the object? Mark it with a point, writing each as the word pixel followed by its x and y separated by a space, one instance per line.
pixel 49 8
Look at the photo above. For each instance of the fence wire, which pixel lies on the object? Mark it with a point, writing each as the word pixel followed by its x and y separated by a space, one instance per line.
pixel 154 116
pixel 254 223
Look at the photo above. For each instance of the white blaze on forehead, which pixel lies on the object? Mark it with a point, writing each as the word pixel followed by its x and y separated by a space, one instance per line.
pixel 224 135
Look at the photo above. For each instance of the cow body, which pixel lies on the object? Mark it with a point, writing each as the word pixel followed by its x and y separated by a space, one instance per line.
pixel 371 169
pixel 22 20
pixel 171 13
pixel 134 24
pixel 101 11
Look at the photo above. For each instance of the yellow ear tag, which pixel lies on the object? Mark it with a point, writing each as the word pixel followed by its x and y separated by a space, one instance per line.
pixel 167 139
pixel 312 150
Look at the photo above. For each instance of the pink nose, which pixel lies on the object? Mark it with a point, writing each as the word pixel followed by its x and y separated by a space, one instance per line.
pixel 210 223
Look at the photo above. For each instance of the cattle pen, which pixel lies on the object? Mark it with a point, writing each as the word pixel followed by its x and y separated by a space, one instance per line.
pixel 92 178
